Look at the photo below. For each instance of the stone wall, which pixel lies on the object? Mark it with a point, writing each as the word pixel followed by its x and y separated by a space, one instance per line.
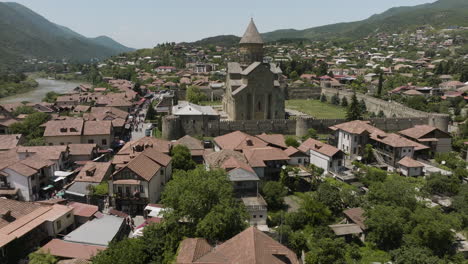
pixel 391 109
pixel 304 92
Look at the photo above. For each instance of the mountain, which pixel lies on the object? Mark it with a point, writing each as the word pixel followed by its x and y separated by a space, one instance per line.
pixel 223 40
pixel 440 14
pixel 25 34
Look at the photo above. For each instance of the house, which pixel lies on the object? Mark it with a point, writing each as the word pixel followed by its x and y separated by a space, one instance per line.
pixel 297 157
pixel 434 138
pixel 195 118
pixel 83 212
pixel 410 167
pixel 63 132
pixel 393 147
pixel 99 231
pixel 165 69
pixel 451 85
pixel 238 141
pixel 140 181
pixel 242 248
pixel 353 224
pixel 57 154
pixel 92 174
pixel 25 225
pixel 8 142
pixel 82 152
pixel 351 137
pixel 267 161
pixel 98 132
pixel 25 179
pixel 117 116
pixel 197 150
pixel 323 155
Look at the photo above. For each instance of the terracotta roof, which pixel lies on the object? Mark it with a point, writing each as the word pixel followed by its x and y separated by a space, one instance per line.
pixel 357 127
pixel 277 140
pixel 292 150
pixel 74 261
pixel 357 216
pixel 85 210
pixel 81 149
pixel 190 142
pixel 216 159
pixel 410 163
pixel 158 144
pixel 9 141
pixel 318 146
pixel 64 249
pixel 36 162
pixel 233 163
pixel 238 140
pixel 158 157
pixel 257 156
pixel 249 247
pixel 345 229
pixel 17 209
pixel 418 131
pixel 143 166
pixel 397 141
pixel 46 152
pixel 251 35
pixel 69 127
pixel 192 249
pixel 22 169
pixel 97 128
pixel 94 172
pixel 107 113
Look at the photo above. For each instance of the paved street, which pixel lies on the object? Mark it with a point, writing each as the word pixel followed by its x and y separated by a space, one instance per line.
pixel 139 132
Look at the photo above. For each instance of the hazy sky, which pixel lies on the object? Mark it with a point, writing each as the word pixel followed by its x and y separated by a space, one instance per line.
pixel 144 23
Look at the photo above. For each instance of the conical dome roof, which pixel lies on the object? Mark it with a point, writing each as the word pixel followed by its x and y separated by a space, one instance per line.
pixel 251 35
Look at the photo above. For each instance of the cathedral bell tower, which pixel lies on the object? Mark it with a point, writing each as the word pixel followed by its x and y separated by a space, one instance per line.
pixel 251 45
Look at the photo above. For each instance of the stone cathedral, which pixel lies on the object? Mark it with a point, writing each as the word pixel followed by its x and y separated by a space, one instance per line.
pixel 254 89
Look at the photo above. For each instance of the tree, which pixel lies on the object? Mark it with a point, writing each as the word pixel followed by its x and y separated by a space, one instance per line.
pixel 327 251
pixel 202 198
pixel 335 99
pixel 182 158
pixel 330 196
pixel 386 225
pixel 195 95
pixel 354 111
pixel 323 98
pixel 24 110
pixel 368 153
pixel 344 102
pixel 415 255
pixel 311 133
pixel 363 106
pixel 151 113
pixel 380 86
pixel 42 258
pixel 437 183
pixel 126 251
pixel 394 191
pixel 274 192
pixel 291 142
pixel 30 127
pixel 293 75
pixel 315 212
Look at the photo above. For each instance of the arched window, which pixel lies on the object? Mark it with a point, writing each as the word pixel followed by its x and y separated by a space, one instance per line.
pixel 259 106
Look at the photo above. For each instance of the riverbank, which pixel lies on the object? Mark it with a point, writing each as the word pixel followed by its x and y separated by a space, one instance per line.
pixel 14 88
pixel 70 77
pixel 36 95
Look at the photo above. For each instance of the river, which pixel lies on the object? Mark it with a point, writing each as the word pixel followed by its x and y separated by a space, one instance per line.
pixel 45 86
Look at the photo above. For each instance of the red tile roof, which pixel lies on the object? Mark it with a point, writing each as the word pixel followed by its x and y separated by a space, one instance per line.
pixel 357 127
pixel 64 249
pixel 318 146
pixel 85 210
pixel 238 140
pixel 410 163
pixel 277 140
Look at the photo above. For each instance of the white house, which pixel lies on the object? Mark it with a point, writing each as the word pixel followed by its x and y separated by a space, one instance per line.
pixel 410 167
pixel 323 155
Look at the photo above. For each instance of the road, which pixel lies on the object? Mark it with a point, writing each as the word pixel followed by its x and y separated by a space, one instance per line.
pixel 141 127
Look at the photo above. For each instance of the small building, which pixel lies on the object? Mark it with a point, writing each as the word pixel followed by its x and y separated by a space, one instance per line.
pixel 297 157
pixel 434 138
pixel 410 167
pixel 69 250
pixel 8 142
pixel 194 118
pixel 82 152
pixel 99 231
pixel 83 212
pixel 238 141
pixel 323 155
pixel 257 209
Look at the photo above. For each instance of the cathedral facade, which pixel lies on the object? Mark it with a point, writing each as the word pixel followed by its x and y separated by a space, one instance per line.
pixel 254 89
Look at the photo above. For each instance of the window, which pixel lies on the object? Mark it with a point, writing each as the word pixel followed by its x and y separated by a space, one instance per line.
pixel 68 215
pixel 142 189
pixel 261 216
pixel 299 161
pixel 104 142
pixel 33 177
pixel 354 150
pixel 61 143
pixel 254 216
pixel 90 141
pixel 51 144
pixel 59 224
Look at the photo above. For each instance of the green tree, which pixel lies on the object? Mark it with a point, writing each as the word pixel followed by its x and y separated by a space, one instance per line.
pixel 291 142
pixel 182 158
pixel 330 196
pixel 335 99
pixel 323 98
pixel 327 251
pixel 293 75
pixel 274 192
pixel 386 226
pixel 415 255
pixel 437 183
pixel 42 258
pixel 195 95
pixel 344 102
pixel 126 251
pixel 354 111
pixel 30 127
pixel 311 133
pixel 380 85
pixel 202 198
pixel 24 110
pixel 151 114
pixel 368 153
pixel 315 212
pixel 394 191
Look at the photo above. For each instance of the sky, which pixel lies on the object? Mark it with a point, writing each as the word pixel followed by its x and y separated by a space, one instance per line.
pixel 144 23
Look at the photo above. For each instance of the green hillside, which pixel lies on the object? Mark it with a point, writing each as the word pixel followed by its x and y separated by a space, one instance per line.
pixel 25 34
pixel 440 14
pixel 223 40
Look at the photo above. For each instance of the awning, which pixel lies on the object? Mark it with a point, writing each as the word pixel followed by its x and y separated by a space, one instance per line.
pixel 48 187
pixel 59 179
pixel 63 173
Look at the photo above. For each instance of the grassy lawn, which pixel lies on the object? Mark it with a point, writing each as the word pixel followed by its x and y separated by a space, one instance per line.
pixel 211 103
pixel 317 109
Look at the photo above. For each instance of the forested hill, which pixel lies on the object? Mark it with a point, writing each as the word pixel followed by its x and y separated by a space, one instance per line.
pixel 25 34
pixel 440 14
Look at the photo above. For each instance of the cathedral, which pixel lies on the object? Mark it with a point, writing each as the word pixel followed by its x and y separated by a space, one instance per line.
pixel 254 89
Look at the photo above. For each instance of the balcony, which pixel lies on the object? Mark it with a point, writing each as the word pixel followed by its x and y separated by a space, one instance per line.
pixel 5 186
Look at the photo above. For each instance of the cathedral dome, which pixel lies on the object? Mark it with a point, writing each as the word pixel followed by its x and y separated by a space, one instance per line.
pixel 251 35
